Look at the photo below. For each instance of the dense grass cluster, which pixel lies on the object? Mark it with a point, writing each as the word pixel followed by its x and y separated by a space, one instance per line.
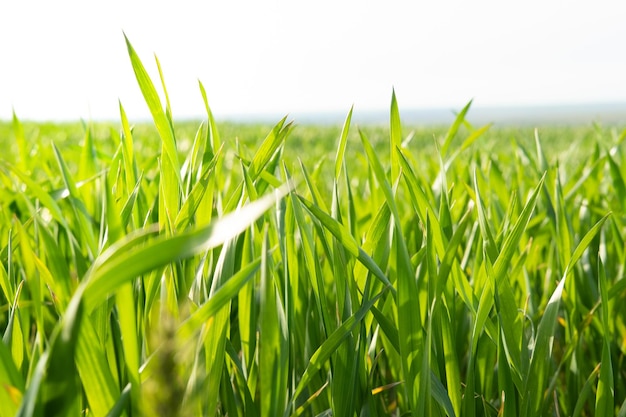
pixel 310 271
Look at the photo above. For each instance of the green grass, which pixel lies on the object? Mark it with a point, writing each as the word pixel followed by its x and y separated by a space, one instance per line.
pixel 223 269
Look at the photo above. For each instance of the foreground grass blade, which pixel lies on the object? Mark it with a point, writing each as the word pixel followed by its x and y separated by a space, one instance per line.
pixel 106 276
pixel 12 383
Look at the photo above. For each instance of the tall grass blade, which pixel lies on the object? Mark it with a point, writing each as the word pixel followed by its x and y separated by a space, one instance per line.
pixel 605 392
pixel 409 324
pixel 395 133
pixel 346 240
pixel 273 341
pixel 341 147
pixel 153 101
pixel 534 384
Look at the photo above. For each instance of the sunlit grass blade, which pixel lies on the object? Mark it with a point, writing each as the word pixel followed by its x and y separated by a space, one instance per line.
pixel 468 142
pixel 189 208
pixel 128 151
pixel 213 134
pixel 218 299
pixel 168 107
pixel 81 215
pixel 156 109
pixel 98 382
pixel 34 282
pixel 485 229
pixel 454 128
pixel 347 241
pixel 511 318
pixel 542 161
pixel 104 278
pixel 341 146
pixel 87 169
pixel 395 133
pixel 421 203
pixel 268 148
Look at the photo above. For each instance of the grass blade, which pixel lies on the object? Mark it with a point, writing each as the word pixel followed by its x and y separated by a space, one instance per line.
pixel 543 343
pixel 341 147
pixel 106 276
pixel 153 101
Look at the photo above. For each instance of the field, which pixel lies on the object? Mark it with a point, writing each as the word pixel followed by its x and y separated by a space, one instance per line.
pixel 219 269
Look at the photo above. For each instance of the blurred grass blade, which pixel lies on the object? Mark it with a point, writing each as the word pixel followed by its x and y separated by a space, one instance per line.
pixel 30 406
pixel 18 131
pixel 11 382
pixel 454 128
pixel 268 148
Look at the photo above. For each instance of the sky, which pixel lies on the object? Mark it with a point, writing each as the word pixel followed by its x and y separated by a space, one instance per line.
pixel 67 59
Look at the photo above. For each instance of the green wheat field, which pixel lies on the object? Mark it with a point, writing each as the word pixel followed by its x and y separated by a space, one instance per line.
pixel 201 269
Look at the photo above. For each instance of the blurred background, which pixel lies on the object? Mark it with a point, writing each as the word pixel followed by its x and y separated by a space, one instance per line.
pixel 557 60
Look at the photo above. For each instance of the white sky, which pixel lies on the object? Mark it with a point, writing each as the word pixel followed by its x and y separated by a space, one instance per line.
pixel 67 59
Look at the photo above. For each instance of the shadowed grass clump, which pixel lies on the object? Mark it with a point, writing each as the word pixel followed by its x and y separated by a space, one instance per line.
pixel 183 269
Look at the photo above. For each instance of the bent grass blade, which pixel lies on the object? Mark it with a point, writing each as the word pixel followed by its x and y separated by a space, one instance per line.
pixel 105 277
